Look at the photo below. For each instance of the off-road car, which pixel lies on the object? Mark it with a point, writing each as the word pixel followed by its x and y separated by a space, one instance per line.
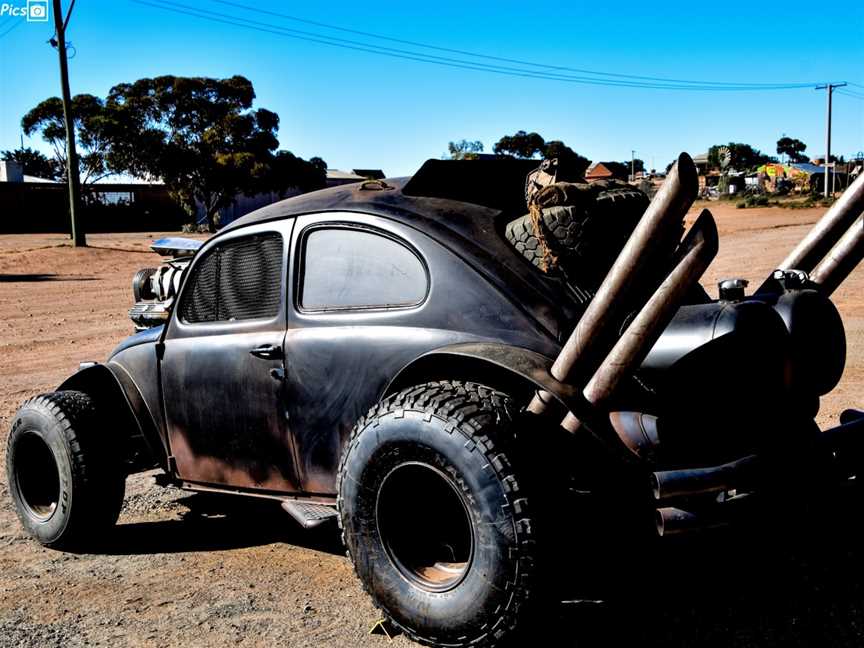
pixel 447 364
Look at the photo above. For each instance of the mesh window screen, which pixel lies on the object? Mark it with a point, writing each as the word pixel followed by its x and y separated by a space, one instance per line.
pixel 238 280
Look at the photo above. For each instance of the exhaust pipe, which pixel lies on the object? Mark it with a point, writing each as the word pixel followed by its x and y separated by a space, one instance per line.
pixel 841 260
pixel 695 254
pixel 828 230
pixel 638 431
pixel 673 521
pixel 655 235
pixel 667 484
pixel 847 439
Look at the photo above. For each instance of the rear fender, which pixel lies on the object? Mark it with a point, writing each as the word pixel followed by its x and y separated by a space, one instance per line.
pixel 116 394
pixel 513 370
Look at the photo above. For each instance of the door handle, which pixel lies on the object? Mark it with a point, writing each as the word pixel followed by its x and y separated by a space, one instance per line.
pixel 267 351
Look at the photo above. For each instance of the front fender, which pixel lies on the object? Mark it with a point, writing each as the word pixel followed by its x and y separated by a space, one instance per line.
pixel 116 395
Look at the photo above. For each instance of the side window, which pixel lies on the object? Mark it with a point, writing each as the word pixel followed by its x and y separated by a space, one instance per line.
pixel 347 268
pixel 237 280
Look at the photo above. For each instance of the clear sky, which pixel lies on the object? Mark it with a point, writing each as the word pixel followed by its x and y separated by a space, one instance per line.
pixel 359 109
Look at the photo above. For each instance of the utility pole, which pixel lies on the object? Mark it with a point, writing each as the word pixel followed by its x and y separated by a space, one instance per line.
pixel 830 91
pixel 79 239
pixel 632 166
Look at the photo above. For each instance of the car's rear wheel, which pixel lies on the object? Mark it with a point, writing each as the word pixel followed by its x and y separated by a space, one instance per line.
pixel 64 474
pixel 434 516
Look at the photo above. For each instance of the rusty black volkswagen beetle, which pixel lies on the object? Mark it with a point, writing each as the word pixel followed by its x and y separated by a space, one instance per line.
pixel 444 364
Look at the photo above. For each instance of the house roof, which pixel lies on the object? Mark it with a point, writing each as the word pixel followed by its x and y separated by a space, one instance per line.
pixel 598 170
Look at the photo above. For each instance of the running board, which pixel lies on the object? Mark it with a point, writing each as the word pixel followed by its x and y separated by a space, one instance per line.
pixel 308 514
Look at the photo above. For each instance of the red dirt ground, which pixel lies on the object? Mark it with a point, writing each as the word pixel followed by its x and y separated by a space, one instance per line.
pixel 183 571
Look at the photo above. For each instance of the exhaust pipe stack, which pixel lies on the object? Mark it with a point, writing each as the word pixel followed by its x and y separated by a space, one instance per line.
pixel 673 521
pixel 655 234
pixel 694 256
pixel 842 259
pixel 828 230
pixel 669 484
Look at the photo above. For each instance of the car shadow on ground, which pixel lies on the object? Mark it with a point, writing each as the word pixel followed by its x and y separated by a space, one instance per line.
pixel 35 278
pixel 794 578
pixel 791 579
pixel 219 522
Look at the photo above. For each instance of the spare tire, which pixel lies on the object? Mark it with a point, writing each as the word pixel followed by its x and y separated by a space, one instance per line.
pixel 586 238
pixel 562 227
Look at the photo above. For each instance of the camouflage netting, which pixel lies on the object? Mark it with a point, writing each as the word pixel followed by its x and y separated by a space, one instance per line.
pixel 575 228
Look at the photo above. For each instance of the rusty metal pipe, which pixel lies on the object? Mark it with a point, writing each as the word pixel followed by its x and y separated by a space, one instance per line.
pixel 672 521
pixel 667 484
pixel 841 260
pixel 828 230
pixel 696 252
pixel 659 222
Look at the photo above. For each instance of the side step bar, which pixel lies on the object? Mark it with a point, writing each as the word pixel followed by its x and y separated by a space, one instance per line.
pixel 308 514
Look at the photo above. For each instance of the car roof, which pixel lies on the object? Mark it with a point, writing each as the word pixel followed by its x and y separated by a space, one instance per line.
pixel 462 204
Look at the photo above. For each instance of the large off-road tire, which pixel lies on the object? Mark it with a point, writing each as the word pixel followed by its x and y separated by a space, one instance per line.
pixel 435 518
pixel 64 474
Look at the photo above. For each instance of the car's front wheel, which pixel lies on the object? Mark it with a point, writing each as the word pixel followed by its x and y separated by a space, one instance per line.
pixel 434 516
pixel 64 474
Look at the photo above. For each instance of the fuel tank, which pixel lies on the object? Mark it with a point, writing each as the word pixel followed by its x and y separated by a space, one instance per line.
pixel 732 375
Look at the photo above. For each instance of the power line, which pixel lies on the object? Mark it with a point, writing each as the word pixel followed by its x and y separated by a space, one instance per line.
pixel 499 58
pixel 11 29
pixel 237 21
pixel 853 95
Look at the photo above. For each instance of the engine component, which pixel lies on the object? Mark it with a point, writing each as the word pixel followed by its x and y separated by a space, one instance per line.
pixel 732 289
pixel 154 289
pixel 142 287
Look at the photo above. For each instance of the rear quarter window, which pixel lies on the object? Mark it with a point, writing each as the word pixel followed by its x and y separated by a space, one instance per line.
pixel 348 268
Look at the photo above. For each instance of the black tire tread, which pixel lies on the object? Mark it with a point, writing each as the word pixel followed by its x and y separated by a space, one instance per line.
pixel 470 409
pixel 98 486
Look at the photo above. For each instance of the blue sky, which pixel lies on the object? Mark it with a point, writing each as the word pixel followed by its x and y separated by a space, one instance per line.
pixel 357 109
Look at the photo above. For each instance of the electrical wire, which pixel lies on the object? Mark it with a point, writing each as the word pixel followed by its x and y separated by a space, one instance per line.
pixel 237 21
pixel 503 59
pixel 11 29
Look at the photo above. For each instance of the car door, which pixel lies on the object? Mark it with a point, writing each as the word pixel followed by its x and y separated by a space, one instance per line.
pixel 222 368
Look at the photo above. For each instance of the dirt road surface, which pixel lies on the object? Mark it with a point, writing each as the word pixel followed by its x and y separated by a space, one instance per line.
pixel 194 570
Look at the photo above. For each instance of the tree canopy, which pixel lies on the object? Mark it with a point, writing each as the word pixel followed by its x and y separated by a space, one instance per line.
pixel 520 145
pixel 569 161
pixel 792 148
pixel 528 145
pixel 202 137
pixel 743 156
pixel 464 149
pixel 33 163
pixel 92 122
